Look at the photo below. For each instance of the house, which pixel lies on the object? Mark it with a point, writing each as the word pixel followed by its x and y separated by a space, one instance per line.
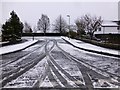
pixel 109 27
pixel 109 31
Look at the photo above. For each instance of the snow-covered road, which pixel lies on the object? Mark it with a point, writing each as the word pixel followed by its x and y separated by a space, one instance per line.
pixel 54 63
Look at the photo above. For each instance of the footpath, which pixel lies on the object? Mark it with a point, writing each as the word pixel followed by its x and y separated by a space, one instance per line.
pixel 16 47
pixel 92 48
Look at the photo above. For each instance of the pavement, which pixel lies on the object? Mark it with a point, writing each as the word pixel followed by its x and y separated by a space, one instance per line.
pixel 91 48
pixel 16 47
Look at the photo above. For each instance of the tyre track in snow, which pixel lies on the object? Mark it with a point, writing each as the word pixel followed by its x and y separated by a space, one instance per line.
pixel 50 68
pixel 51 76
pixel 58 71
pixel 77 82
pixel 19 63
pixel 7 77
pixel 90 71
pixel 42 78
pixel 20 57
pixel 62 80
pixel 88 83
pixel 59 76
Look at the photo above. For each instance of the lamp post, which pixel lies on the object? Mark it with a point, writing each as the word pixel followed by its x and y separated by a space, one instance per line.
pixel 69 25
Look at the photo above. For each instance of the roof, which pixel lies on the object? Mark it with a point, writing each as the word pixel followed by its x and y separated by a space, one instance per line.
pixel 109 24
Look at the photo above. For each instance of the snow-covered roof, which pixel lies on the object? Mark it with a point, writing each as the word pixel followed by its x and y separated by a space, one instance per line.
pixel 109 24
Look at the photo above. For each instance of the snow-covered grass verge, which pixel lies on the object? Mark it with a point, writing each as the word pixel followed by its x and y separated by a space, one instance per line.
pixel 4 42
pixel 16 47
pixel 88 46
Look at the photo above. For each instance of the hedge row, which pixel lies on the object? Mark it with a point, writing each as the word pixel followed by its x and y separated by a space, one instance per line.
pixel 102 44
pixel 15 42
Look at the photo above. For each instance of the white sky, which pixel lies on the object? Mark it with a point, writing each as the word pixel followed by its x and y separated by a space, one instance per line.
pixel 31 11
pixel 119 11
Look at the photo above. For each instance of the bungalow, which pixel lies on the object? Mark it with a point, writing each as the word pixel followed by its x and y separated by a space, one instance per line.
pixel 109 31
pixel 109 28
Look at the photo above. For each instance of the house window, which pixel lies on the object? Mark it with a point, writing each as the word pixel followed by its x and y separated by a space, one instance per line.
pixel 99 29
pixel 118 28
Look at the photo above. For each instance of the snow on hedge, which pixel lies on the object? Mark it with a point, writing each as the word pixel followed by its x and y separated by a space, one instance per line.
pixel 88 46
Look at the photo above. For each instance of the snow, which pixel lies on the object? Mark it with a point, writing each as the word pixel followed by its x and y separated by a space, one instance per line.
pixel 65 77
pixel 13 65
pixel 4 42
pixel 16 47
pixel 46 83
pixel 109 24
pixel 28 79
pixel 49 45
pixel 88 46
pixel 68 65
pixel 56 78
pixel 99 61
pixel 103 83
pixel 108 63
pixel 43 37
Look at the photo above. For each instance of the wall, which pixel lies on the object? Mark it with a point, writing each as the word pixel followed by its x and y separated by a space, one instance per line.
pixel 107 30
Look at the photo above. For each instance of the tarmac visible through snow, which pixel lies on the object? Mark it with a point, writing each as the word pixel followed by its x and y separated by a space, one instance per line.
pixel 53 63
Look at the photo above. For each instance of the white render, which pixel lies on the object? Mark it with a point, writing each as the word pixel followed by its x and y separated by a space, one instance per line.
pixel 108 28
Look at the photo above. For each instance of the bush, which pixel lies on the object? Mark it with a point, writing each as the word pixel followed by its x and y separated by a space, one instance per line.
pixel 73 34
pixel 102 44
pixel 12 29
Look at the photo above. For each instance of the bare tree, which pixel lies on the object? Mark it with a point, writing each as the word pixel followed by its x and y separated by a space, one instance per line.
pixel 27 28
pixel 92 24
pixel 60 25
pixel 34 29
pixel 80 23
pixel 43 23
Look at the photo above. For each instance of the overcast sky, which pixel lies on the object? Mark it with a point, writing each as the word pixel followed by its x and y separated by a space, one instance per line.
pixel 31 11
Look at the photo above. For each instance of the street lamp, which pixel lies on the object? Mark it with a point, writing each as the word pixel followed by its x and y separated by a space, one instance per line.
pixel 69 25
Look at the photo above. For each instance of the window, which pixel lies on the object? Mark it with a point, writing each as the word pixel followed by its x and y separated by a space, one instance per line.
pixel 99 29
pixel 118 28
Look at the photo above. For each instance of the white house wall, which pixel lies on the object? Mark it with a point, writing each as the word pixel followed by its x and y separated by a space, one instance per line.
pixel 107 30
